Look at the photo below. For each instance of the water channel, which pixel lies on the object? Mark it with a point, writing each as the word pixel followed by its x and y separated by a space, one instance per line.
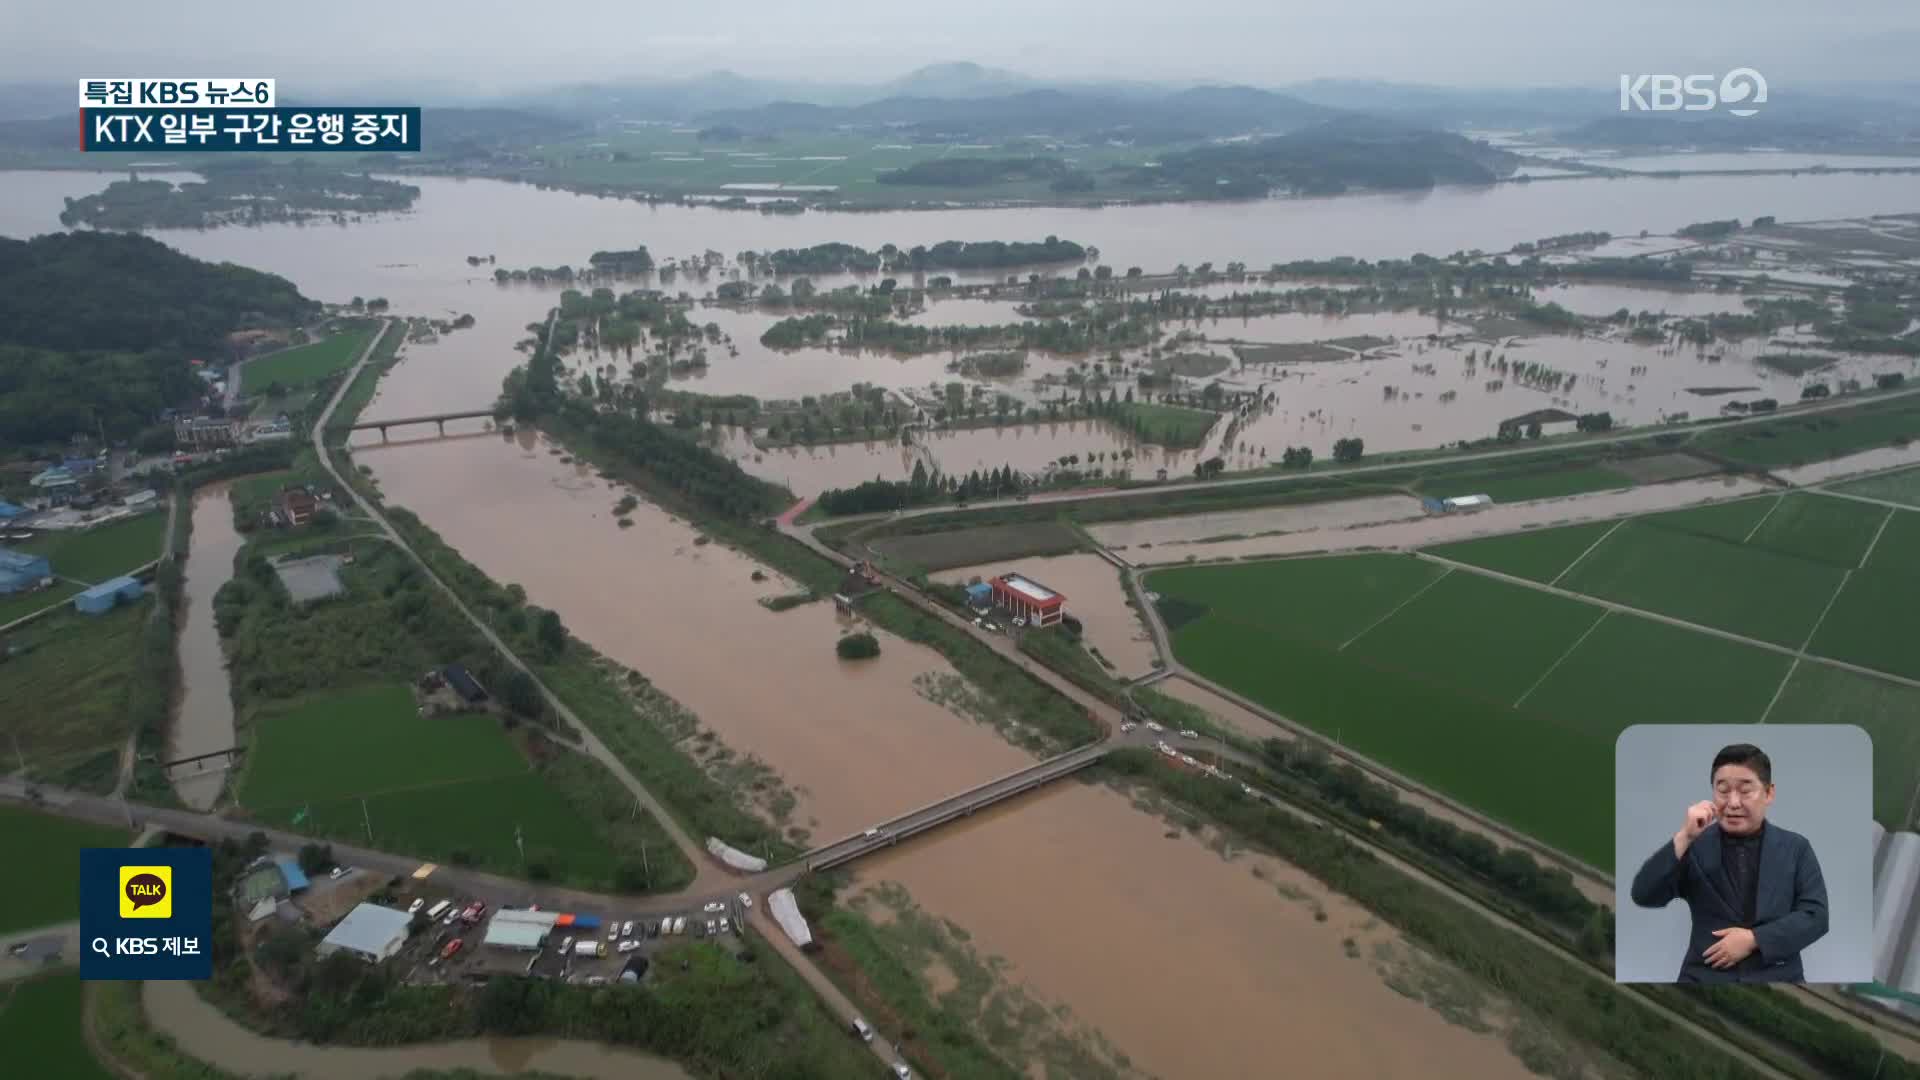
pixel 203 715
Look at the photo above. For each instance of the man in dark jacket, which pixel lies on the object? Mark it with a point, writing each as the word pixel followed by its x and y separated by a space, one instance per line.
pixel 1755 889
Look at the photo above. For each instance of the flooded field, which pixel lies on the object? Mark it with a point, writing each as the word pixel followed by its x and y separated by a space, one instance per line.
pixel 1094 595
pixel 202 1031
pixel 1190 528
pixel 1107 914
pixel 687 616
pixel 1602 300
pixel 1443 528
pixel 1885 457
pixel 203 712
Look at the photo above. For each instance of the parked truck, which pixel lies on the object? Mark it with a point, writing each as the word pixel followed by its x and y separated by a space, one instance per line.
pixel 590 948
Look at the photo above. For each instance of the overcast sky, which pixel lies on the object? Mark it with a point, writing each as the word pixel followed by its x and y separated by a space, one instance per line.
pixel 346 43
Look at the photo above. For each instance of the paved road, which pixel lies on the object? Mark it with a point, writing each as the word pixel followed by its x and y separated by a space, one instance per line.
pixel 706 874
pixel 56 944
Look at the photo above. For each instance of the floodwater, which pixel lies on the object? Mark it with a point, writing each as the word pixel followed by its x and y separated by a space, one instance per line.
pixel 202 1031
pixel 1030 448
pixel 1885 457
pixel 1444 528
pixel 858 745
pixel 203 716
pixel 1094 595
pixel 1341 514
pixel 1189 964
pixel 1598 300
pixel 1758 160
pixel 856 740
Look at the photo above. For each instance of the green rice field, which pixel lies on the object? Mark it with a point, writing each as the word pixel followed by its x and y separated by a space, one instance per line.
pixel 1537 555
pixel 40 1028
pixel 304 364
pixel 51 846
pixel 1821 529
pixel 1875 621
pixel 76 670
pixel 97 554
pixel 1793 440
pixel 1901 487
pixel 362 762
pixel 1503 696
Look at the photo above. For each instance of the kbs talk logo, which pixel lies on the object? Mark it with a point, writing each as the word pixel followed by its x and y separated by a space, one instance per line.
pixel 1742 87
pixel 146 892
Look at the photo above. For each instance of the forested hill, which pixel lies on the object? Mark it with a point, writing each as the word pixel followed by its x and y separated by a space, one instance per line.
pixel 123 291
pixel 1351 152
pixel 96 330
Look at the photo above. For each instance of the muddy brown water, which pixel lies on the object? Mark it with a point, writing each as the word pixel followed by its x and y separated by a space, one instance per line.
pixel 1188 963
pixel 1106 908
pixel 1188 528
pixel 855 738
pixel 203 713
pixel 1444 528
pixel 1094 595
pixel 202 1031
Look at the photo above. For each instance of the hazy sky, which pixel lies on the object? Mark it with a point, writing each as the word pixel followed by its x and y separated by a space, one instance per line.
pixel 314 48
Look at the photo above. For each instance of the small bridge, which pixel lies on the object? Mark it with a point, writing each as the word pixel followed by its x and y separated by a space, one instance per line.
pixel 202 762
pixel 954 806
pixel 431 418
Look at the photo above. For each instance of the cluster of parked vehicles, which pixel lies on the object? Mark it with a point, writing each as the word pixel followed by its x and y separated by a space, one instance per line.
pixel 626 936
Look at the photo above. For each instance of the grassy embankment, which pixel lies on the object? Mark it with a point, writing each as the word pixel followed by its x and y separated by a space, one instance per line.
pixel 304 365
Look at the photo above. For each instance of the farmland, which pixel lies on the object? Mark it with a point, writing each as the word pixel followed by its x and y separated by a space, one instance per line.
pixel 1535 555
pixel 94 555
pixel 51 847
pixel 1172 426
pixel 927 552
pixel 1792 440
pixel 304 364
pixel 40 1027
pixel 1436 673
pixel 362 766
pixel 76 670
pixel 1902 487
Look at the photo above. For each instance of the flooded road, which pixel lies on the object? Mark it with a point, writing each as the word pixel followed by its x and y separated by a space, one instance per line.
pixel 202 1031
pixel 1192 528
pixel 203 713
pixel 1444 528
pixel 1885 457
pixel 1095 596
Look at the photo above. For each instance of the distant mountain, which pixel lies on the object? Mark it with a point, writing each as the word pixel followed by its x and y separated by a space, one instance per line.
pixel 1189 114
pixel 956 80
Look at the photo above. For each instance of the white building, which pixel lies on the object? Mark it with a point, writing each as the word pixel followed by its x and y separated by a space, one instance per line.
pixel 371 932
pixel 519 930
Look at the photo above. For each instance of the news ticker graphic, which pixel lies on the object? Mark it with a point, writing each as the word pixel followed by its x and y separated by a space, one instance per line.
pixel 147 114
pixel 146 913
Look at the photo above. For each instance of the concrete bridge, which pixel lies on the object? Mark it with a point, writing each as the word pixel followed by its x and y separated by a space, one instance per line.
pixel 965 803
pixel 430 418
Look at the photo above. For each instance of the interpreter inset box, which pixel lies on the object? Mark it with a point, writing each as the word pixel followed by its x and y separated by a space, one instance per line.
pixel 1743 853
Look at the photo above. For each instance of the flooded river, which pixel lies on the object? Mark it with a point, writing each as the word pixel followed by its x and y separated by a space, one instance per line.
pixel 202 1031
pixel 1106 905
pixel 203 716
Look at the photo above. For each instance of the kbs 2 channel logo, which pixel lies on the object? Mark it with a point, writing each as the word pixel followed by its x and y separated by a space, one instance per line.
pixel 146 892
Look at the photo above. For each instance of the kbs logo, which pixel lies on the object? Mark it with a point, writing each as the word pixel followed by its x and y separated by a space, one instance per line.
pixel 1742 87
pixel 146 892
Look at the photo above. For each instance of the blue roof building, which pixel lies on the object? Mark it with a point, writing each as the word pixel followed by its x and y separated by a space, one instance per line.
pixel 101 598
pixel 9 511
pixel 295 877
pixel 20 571
pixel 980 594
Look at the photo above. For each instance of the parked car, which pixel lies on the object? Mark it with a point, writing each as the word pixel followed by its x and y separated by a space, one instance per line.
pixel 452 947
pixel 1019 620
pixel 628 946
pixel 1151 726
pixel 899 1069
pixel 653 928
pixel 626 928
pixel 862 1029
pixel 566 944
pixel 418 903
pixel 714 907
pixel 613 932
pixel 1189 733
pixel 1128 725
pixel 337 872
pixel 871 833
pixel 723 924
pixel 700 928
pixel 746 900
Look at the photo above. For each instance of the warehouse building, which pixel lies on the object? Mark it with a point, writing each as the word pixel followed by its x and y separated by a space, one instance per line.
pixel 103 597
pixel 20 571
pixel 520 931
pixel 1026 598
pixel 370 932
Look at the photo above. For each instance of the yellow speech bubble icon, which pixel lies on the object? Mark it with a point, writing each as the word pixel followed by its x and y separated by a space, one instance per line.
pixel 146 892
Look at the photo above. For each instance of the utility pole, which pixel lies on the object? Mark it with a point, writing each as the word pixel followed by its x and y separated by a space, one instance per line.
pixel 645 865
pixel 366 820
pixel 520 843
pixel 18 756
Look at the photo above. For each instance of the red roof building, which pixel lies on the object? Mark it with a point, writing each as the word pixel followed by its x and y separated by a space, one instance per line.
pixel 1040 605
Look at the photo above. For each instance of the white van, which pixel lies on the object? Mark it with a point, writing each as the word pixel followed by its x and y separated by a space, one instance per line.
pixel 862 1029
